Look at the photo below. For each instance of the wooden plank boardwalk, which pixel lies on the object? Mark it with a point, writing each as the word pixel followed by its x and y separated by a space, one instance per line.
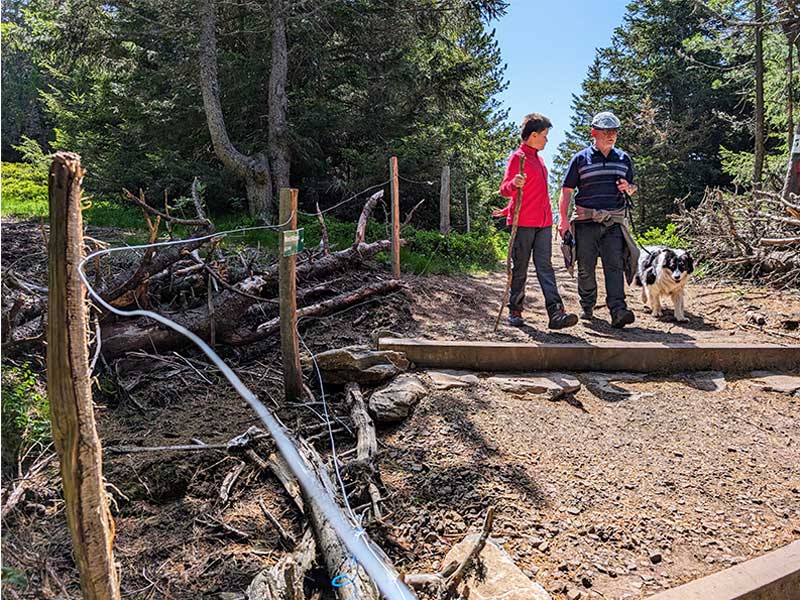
pixel 646 357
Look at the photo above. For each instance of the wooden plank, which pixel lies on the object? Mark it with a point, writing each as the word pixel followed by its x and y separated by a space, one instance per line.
pixel 774 576
pixel 637 357
pixel 69 388
pixel 395 192
pixel 444 202
pixel 287 282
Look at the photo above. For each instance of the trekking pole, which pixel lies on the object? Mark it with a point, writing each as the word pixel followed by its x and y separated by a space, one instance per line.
pixel 514 224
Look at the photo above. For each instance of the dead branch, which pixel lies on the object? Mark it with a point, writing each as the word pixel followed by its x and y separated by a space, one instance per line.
pixel 201 222
pixel 287 541
pixel 446 582
pixel 323 232
pixel 411 212
pixel 361 229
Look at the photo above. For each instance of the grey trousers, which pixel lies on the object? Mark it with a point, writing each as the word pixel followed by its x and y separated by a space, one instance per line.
pixel 592 240
pixel 536 242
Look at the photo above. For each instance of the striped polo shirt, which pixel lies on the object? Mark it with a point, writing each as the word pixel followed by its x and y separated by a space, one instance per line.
pixel 595 176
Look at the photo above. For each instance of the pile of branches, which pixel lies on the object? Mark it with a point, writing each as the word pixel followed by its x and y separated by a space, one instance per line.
pixel 755 235
pixel 226 295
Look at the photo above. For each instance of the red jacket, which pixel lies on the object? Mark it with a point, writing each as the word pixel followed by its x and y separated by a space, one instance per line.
pixel 535 210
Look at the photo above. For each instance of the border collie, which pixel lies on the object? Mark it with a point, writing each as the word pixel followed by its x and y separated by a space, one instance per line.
pixel 663 272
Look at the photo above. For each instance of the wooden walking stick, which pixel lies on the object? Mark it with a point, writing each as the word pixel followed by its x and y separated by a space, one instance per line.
pixel 514 224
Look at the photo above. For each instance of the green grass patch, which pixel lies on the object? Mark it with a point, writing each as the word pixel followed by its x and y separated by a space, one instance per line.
pixel 25 413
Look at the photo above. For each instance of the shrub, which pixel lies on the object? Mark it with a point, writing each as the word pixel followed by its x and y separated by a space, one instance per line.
pixel 668 236
pixel 25 413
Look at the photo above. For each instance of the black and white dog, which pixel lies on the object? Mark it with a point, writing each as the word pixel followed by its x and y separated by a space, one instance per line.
pixel 663 272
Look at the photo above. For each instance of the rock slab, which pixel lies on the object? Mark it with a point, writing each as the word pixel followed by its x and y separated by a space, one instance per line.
pixel 359 364
pixel 550 385
pixel 444 380
pixel 394 402
pixel 774 382
pixel 503 579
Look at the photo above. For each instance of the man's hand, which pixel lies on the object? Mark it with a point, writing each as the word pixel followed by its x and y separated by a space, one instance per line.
pixel 563 227
pixel 499 212
pixel 519 180
pixel 625 187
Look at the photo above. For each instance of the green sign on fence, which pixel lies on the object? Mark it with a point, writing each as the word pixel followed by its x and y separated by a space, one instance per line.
pixel 292 241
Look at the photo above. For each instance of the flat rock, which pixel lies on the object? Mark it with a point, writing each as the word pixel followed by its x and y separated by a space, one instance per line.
pixel 503 579
pixel 707 381
pixel 608 383
pixel 775 382
pixel 444 380
pixel 551 385
pixel 395 401
pixel 360 364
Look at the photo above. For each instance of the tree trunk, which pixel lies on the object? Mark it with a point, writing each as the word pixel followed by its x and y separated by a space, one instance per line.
pixel 278 102
pixel 254 170
pixel 758 166
pixel 444 202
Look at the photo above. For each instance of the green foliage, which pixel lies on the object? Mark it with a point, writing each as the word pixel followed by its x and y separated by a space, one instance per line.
pixel 119 83
pixel 24 190
pixel 24 193
pixel 13 577
pixel 25 413
pixel 666 236
pixel 683 86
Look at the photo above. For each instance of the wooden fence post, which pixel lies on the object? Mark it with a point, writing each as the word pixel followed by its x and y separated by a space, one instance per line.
pixel 466 207
pixel 444 202
pixel 394 185
pixel 69 389
pixel 791 184
pixel 287 282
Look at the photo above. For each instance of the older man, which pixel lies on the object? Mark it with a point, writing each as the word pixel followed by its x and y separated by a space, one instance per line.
pixel 603 175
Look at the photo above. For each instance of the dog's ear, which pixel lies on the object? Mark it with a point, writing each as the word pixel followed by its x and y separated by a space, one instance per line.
pixel 689 263
pixel 649 276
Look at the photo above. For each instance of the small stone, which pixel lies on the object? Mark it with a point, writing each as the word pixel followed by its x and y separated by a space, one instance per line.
pixel 574 594
pixel 574 510
pixel 563 567
pixel 532 572
pixel 543 547
pixel 655 558
pixel 586 580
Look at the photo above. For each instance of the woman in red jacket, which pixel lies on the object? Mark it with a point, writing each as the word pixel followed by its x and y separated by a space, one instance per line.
pixel 534 231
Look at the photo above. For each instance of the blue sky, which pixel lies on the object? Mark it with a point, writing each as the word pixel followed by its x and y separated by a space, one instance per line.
pixel 548 46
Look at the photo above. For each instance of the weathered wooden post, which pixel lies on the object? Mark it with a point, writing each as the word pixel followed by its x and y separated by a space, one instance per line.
pixel 466 207
pixel 791 184
pixel 394 185
pixel 444 202
pixel 287 282
pixel 69 389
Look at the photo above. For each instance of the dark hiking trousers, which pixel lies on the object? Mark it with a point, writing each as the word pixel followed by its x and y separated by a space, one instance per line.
pixel 592 240
pixel 536 242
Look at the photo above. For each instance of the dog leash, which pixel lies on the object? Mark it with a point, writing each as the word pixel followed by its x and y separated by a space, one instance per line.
pixel 629 216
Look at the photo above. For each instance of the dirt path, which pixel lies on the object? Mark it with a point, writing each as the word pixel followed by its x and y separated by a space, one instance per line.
pixel 466 308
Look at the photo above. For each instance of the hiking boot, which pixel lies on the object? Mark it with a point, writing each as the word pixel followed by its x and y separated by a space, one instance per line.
pixel 621 318
pixel 560 319
pixel 587 314
pixel 515 318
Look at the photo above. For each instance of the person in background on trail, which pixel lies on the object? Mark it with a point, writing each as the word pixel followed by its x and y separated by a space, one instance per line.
pixel 603 176
pixel 534 231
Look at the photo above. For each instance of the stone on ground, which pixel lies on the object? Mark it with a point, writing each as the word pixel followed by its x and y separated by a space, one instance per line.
pixel 360 364
pixel 444 380
pixel 775 382
pixel 550 385
pixel 395 401
pixel 503 578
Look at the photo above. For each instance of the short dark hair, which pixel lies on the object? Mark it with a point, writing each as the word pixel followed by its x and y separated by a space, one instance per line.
pixel 533 122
